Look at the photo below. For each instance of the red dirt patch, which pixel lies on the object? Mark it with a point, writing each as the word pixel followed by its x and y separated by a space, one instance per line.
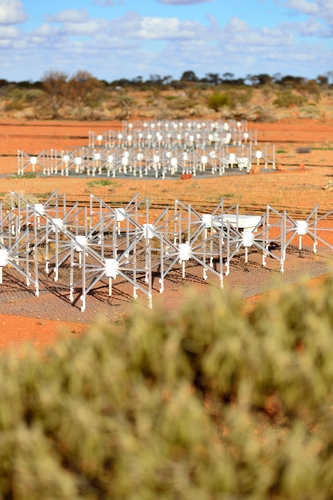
pixel 41 333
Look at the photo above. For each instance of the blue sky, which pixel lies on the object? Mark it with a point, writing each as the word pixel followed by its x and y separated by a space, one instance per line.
pixel 128 38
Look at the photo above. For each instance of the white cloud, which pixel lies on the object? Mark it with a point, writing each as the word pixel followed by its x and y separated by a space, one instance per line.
pixel 155 28
pixel 69 16
pixel 236 25
pixel 45 36
pixel 124 46
pixel 326 10
pixel 46 30
pixel 303 6
pixel 12 12
pixel 9 32
pixel 89 28
pixel 134 26
pixel 183 2
pixel 108 3
pixel 318 9
pixel 320 21
pixel 311 28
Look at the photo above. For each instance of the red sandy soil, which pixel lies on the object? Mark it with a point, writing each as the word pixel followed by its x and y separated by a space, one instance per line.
pixel 18 330
pixel 301 190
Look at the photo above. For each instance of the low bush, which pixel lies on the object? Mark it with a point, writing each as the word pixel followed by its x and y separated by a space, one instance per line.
pixel 215 403
pixel 181 103
pixel 287 99
pixel 217 100
pixel 30 198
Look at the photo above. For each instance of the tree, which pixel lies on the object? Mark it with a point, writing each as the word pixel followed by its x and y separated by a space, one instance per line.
pixel 55 85
pixel 322 80
pixel 291 81
pixel 189 76
pixel 213 78
pixel 330 77
pixel 84 86
pixel 166 80
pixel 263 79
pixel 228 76
pixel 155 79
pixel 137 81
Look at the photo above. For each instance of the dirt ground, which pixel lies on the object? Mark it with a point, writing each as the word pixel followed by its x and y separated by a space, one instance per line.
pixel 290 188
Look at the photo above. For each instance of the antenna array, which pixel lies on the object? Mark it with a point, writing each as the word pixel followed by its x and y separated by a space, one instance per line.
pixel 81 247
pixel 157 149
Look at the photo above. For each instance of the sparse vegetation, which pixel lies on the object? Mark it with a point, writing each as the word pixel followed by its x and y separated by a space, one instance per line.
pixel 7 199
pixel 100 182
pixel 287 99
pixel 26 175
pixel 229 195
pixel 216 101
pixel 214 403
pixel 82 96
pixel 303 150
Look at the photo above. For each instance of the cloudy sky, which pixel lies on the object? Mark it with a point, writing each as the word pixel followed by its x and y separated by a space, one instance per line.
pixel 128 38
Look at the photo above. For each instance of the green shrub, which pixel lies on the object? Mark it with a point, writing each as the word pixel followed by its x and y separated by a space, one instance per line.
pixel 215 403
pixel 181 103
pixel 26 175
pixel 14 106
pixel 30 198
pixel 33 94
pixel 287 99
pixel 100 183
pixel 216 101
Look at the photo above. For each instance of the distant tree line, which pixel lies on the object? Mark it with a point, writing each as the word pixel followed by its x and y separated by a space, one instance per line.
pixel 82 95
pixel 86 79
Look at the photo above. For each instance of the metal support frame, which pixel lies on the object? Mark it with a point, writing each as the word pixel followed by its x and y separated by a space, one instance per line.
pixel 83 248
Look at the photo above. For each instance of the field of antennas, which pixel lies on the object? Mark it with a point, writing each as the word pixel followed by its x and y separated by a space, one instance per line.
pixel 157 149
pixel 102 247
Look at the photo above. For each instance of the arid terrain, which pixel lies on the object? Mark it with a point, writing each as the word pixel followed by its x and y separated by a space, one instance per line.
pixel 298 185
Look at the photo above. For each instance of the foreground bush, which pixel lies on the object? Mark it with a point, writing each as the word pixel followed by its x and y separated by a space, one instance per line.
pixel 216 403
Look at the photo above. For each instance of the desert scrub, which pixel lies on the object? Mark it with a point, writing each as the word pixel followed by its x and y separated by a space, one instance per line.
pixel 287 99
pixel 309 111
pixel 214 402
pixel 26 175
pixel 7 199
pixel 180 103
pixel 101 183
pixel 217 100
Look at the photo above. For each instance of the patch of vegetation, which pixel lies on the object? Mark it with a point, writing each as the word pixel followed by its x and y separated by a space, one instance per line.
pixel 303 150
pixel 328 148
pixel 241 97
pixel 287 99
pixel 27 175
pixel 229 195
pixel 100 182
pixel 42 195
pixel 59 95
pixel 217 100
pixel 181 103
pixel 33 94
pixel 154 405
pixel 280 151
pixel 14 106
pixel 7 199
